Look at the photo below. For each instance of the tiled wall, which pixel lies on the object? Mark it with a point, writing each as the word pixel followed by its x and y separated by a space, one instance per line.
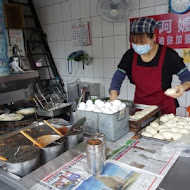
pixel 109 41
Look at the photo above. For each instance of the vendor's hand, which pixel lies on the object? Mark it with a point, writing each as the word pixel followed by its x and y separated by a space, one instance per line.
pixel 180 89
pixel 113 95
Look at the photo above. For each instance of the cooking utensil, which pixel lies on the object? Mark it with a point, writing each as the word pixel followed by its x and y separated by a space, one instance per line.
pixel 31 139
pixel 78 124
pixel 53 150
pixel 22 160
pixel 58 132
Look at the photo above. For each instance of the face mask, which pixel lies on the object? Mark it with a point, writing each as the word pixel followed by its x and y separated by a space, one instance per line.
pixel 141 49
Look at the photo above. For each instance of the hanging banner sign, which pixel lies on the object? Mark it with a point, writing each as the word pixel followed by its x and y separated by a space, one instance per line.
pixel 175 30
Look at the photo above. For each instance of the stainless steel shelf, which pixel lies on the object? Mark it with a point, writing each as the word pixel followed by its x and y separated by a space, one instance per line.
pixel 21 76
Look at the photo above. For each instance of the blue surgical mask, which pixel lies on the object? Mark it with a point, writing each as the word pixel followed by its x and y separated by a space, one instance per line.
pixel 141 49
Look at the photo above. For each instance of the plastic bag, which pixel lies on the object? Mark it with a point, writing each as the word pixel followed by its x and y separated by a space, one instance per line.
pixel 182 144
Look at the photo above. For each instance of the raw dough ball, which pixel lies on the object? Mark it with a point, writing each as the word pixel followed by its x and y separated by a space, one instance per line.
pixel 97 110
pixel 116 103
pixel 171 116
pixel 107 105
pixel 168 124
pixel 187 119
pixel 146 134
pixel 170 91
pixel 107 111
pixel 158 136
pixel 167 135
pixel 177 136
pixel 123 105
pixel 174 130
pixel 89 102
pixel 154 124
pixel 179 126
pixel 99 103
pixel 164 130
pixel 162 127
pixel 164 118
pixel 82 106
pixel 148 128
pixel 90 107
pixel 152 131
pixel 184 131
pixel 187 126
pixel 116 110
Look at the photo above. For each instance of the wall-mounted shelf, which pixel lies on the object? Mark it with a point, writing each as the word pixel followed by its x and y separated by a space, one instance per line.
pixel 23 76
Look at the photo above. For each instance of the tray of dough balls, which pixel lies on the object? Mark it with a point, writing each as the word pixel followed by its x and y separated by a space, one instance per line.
pixel 144 112
pixel 168 127
pixel 100 106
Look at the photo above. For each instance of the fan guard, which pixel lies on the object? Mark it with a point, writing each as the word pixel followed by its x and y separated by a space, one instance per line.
pixel 114 10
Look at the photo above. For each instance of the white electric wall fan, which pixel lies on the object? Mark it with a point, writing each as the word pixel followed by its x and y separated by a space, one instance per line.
pixel 114 10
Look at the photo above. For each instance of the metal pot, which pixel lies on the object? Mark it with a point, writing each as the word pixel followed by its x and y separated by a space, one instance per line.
pixel 53 150
pixel 22 160
pixel 73 138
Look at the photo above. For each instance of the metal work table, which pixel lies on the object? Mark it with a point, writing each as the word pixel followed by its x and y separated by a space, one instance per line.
pixel 177 177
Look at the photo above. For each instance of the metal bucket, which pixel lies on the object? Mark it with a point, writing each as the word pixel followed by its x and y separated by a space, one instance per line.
pixel 52 151
pixel 73 138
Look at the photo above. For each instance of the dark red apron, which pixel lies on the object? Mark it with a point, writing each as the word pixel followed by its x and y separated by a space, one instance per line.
pixel 148 85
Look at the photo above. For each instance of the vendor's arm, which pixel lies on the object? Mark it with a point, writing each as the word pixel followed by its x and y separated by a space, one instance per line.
pixel 184 76
pixel 116 83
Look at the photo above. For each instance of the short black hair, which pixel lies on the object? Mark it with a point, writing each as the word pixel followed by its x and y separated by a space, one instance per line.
pixel 138 37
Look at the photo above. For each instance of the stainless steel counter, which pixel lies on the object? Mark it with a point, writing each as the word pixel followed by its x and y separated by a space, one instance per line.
pixel 9 181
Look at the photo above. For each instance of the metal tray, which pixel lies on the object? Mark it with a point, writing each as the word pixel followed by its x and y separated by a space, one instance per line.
pixel 62 108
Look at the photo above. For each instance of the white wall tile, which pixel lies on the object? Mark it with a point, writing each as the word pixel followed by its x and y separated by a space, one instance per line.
pixel 96 24
pixel 180 111
pixel 75 9
pixel 42 3
pixel 66 10
pixel 57 1
pixel 88 70
pixel 108 47
pixel 67 29
pixel 162 9
pixel 53 48
pixel 43 19
pixel 135 4
pixel 101 82
pixel 98 67
pixel 49 2
pixel 93 4
pixel 119 28
pixel 88 79
pixel 147 11
pixel 117 61
pixel 50 14
pixel 62 67
pixel 85 8
pixel 109 67
pixel 97 47
pixel 161 2
pixel 59 31
pixel 51 32
pixel 80 70
pixel 107 28
pixel 120 45
pixel 68 48
pixel 60 49
pixel 88 50
pixel 180 52
pixel 146 3
pixel 107 86
pixel 58 13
